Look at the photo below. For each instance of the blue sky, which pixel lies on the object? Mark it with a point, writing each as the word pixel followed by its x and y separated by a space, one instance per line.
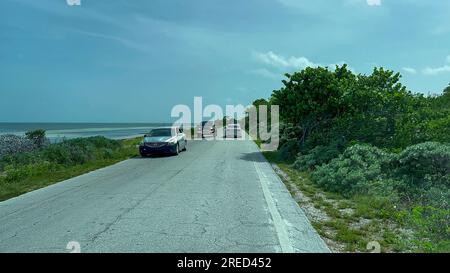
pixel 132 61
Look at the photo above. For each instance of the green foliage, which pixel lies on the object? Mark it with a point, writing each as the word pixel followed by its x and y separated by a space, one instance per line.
pixel 357 171
pixel 395 143
pixel 107 153
pixel 67 153
pixel 312 98
pixel 420 173
pixel 426 119
pixel 424 165
pixel 38 137
pixel 258 104
pixel 27 171
pixel 317 156
pixel 17 173
pixel 98 142
pixel 288 151
pixel 328 105
pixel 288 133
pixel 433 224
pixel 439 129
pixel 20 159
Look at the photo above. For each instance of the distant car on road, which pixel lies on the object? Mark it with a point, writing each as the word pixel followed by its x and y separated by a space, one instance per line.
pixel 233 131
pixel 206 129
pixel 165 140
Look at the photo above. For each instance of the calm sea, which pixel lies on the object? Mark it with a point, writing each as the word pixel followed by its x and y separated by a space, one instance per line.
pixel 58 131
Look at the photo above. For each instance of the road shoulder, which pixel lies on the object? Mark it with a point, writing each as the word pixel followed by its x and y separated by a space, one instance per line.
pixel 295 232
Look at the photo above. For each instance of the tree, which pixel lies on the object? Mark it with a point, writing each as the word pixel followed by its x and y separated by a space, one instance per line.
pixel 376 102
pixel 313 97
pixel 37 136
pixel 329 105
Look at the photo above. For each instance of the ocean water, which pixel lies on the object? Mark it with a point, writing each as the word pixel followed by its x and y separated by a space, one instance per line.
pixel 58 131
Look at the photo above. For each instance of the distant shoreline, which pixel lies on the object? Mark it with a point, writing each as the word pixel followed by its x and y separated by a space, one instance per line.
pixel 59 131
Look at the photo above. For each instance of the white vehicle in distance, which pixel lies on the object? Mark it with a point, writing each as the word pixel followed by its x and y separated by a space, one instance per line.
pixel 232 131
pixel 206 129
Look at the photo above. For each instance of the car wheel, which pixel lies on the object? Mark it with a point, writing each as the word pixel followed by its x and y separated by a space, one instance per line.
pixel 143 155
pixel 177 149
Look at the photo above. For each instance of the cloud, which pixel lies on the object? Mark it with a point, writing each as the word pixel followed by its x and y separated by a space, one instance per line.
pixel 265 73
pixel 374 2
pixel 279 61
pixel 283 63
pixel 431 71
pixel 410 70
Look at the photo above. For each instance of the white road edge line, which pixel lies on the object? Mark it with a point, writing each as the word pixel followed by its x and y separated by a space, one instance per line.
pixel 280 227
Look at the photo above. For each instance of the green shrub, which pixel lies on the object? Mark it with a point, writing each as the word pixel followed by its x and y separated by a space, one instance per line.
pixel 439 129
pixel 433 225
pixel 289 132
pixel 17 173
pixel 82 154
pixel 288 151
pixel 436 196
pixel 357 171
pixel 423 165
pixel 107 153
pixel 38 137
pixel 69 152
pixel 58 153
pixel 80 150
pixel 317 156
pixel 102 142
pixel 20 159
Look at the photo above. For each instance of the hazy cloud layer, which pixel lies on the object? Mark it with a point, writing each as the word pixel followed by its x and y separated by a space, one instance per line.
pixel 133 60
pixel 410 70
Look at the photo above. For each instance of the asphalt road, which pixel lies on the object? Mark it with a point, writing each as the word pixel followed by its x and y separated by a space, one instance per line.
pixel 219 196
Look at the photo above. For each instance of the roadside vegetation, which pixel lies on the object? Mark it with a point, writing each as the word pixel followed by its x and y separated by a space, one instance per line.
pixel 367 159
pixel 31 162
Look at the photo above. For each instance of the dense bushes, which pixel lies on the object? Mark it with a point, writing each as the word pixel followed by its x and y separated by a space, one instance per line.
pixel 368 136
pixel 289 144
pixel 38 138
pixel 417 181
pixel 357 171
pixel 317 156
pixel 433 225
pixel 328 105
pixel 421 172
pixel 288 151
pixel 26 171
pixel 424 165
pixel 55 156
pixel 81 150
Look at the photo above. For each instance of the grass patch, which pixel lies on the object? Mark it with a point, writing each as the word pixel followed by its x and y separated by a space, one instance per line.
pixel 26 172
pixel 353 221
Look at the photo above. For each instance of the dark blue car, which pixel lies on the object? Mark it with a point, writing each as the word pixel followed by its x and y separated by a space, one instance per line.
pixel 167 140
